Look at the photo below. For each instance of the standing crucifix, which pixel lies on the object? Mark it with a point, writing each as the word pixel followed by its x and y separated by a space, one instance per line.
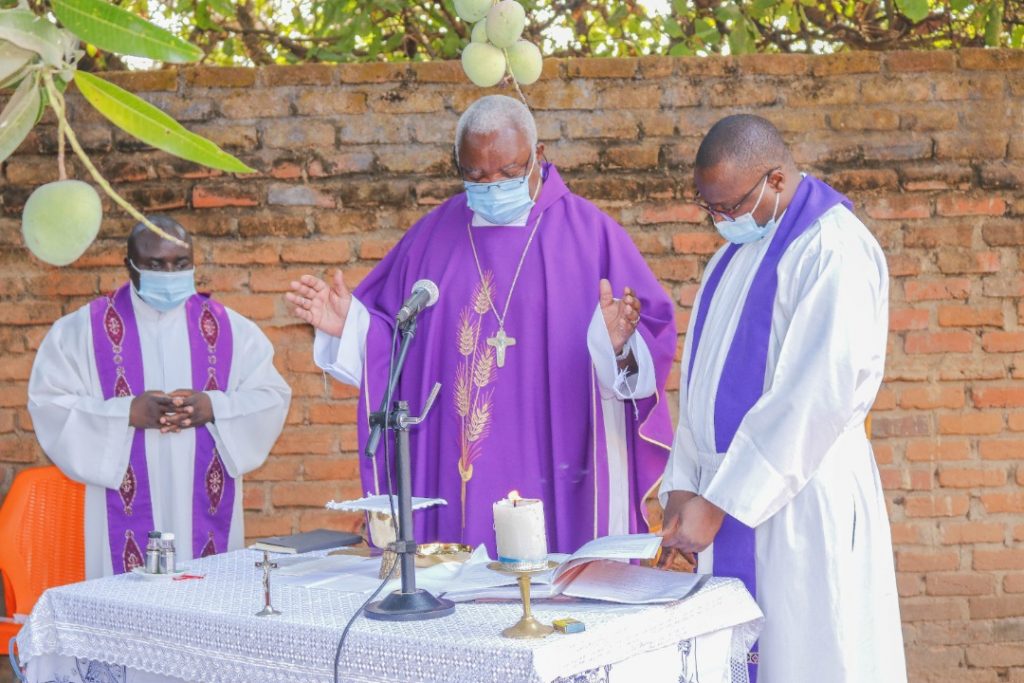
pixel 500 342
pixel 266 565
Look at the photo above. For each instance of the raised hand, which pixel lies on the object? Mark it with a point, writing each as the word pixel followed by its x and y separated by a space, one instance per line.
pixel 323 306
pixel 621 316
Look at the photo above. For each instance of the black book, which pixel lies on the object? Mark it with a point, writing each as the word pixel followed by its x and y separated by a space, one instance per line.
pixel 318 539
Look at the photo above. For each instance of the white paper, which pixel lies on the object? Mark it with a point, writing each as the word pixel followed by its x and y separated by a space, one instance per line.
pixel 380 504
pixel 631 584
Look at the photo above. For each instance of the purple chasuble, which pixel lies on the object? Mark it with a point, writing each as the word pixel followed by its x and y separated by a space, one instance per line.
pixel 118 357
pixel 743 376
pixel 535 424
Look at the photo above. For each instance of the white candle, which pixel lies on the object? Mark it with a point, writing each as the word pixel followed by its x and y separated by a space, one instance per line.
pixel 519 528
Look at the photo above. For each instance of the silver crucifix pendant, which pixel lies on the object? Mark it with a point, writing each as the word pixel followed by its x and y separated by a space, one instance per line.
pixel 500 342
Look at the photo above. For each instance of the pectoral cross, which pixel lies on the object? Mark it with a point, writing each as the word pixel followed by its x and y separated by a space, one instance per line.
pixel 500 342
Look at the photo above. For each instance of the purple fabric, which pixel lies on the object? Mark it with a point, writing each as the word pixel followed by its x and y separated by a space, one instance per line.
pixel 535 424
pixel 119 364
pixel 213 491
pixel 743 375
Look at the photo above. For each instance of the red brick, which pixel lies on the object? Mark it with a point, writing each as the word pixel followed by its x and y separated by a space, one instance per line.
pixel 998 397
pixel 921 60
pixel 971 477
pixel 959 583
pixel 1013 583
pixel 927 561
pixel 901 319
pixel 847 63
pixel 906 533
pixel 212 197
pixel 696 242
pixel 998 607
pixel 317 251
pixel 932 450
pixel 937 505
pixel 329 519
pixel 274 524
pixel 337 469
pixel 1003 502
pixel 996 654
pixel 1002 342
pixel 930 397
pixel 676 212
pixel 333 413
pixel 971 532
pixel 276 469
pixel 954 262
pixel 937 289
pixel 970 316
pixel 939 342
pixel 931 609
pixel 990 60
pixel 962 205
pixel 253 498
pixel 1010 449
pixel 971 423
pixel 303 493
pixel 898 207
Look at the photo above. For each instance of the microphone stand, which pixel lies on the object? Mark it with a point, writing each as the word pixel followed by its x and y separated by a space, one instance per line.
pixel 409 603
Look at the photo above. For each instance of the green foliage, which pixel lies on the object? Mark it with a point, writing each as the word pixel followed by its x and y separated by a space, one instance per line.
pixel 285 31
pixel 111 28
pixel 147 123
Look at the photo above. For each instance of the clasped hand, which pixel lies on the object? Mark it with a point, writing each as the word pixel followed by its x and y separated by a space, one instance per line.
pixel 170 413
pixel 621 316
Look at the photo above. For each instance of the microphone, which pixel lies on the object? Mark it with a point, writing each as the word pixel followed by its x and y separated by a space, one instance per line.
pixel 424 295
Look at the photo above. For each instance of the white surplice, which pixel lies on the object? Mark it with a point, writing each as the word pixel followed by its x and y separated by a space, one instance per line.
pixel 800 469
pixel 343 358
pixel 90 439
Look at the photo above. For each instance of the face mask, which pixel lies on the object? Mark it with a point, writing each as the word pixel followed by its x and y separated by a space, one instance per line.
pixel 503 201
pixel 744 229
pixel 164 291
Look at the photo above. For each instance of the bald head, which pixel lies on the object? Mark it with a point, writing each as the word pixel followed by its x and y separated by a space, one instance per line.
pixel 743 141
pixel 149 251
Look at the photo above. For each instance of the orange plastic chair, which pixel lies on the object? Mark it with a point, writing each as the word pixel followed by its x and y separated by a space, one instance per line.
pixel 42 540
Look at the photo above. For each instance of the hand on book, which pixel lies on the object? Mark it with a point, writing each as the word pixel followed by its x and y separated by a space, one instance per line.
pixel 691 522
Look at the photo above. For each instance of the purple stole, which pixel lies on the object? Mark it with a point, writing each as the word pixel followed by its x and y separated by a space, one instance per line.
pixel 743 375
pixel 118 353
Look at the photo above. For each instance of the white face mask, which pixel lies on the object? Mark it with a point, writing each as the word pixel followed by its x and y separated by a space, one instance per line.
pixel 164 291
pixel 744 229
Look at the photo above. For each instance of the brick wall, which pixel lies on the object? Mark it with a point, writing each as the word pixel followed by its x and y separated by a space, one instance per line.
pixel 928 144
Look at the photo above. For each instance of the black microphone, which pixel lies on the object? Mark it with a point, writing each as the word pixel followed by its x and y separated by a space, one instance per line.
pixel 424 294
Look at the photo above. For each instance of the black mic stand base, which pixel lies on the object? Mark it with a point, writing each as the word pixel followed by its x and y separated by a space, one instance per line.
pixel 401 606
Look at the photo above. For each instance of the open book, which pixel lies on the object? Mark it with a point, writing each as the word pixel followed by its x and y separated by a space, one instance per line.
pixel 600 570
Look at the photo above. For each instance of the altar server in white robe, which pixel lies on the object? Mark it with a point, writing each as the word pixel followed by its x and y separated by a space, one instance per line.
pixel 771 478
pixel 158 399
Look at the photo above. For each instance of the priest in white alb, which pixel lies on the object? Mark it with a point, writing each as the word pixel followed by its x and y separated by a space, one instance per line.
pixel 771 478
pixel 158 399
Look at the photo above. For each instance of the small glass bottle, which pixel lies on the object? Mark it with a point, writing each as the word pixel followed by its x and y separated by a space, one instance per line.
pixel 167 564
pixel 153 553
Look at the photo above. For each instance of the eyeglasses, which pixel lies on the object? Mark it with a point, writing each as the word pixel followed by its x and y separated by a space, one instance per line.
pixel 515 173
pixel 729 213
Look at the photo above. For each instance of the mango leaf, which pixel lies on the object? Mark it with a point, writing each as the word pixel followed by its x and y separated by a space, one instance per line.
pixel 113 29
pixel 24 29
pixel 915 10
pixel 672 27
pixel 20 115
pixel 741 41
pixel 147 123
pixel 994 25
pixel 706 31
pixel 13 61
pixel 1017 37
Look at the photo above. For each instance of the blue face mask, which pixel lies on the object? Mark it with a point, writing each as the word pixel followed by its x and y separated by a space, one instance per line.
pixel 164 291
pixel 503 201
pixel 744 229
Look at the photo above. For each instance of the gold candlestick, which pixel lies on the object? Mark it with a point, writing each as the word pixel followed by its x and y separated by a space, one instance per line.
pixel 527 626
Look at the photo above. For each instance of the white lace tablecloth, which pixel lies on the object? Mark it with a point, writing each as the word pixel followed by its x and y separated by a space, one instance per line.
pixel 205 630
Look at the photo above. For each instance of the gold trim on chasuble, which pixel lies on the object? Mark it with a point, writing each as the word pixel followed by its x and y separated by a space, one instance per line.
pixel 474 374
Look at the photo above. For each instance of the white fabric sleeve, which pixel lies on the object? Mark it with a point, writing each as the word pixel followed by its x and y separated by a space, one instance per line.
pixel 835 344
pixel 682 471
pixel 86 436
pixel 342 357
pixel 615 383
pixel 249 416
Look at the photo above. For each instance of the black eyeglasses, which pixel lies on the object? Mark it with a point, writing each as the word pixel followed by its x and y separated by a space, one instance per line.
pixel 730 212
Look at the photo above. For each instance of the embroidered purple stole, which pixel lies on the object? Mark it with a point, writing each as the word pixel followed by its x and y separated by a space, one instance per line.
pixel 118 356
pixel 743 375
